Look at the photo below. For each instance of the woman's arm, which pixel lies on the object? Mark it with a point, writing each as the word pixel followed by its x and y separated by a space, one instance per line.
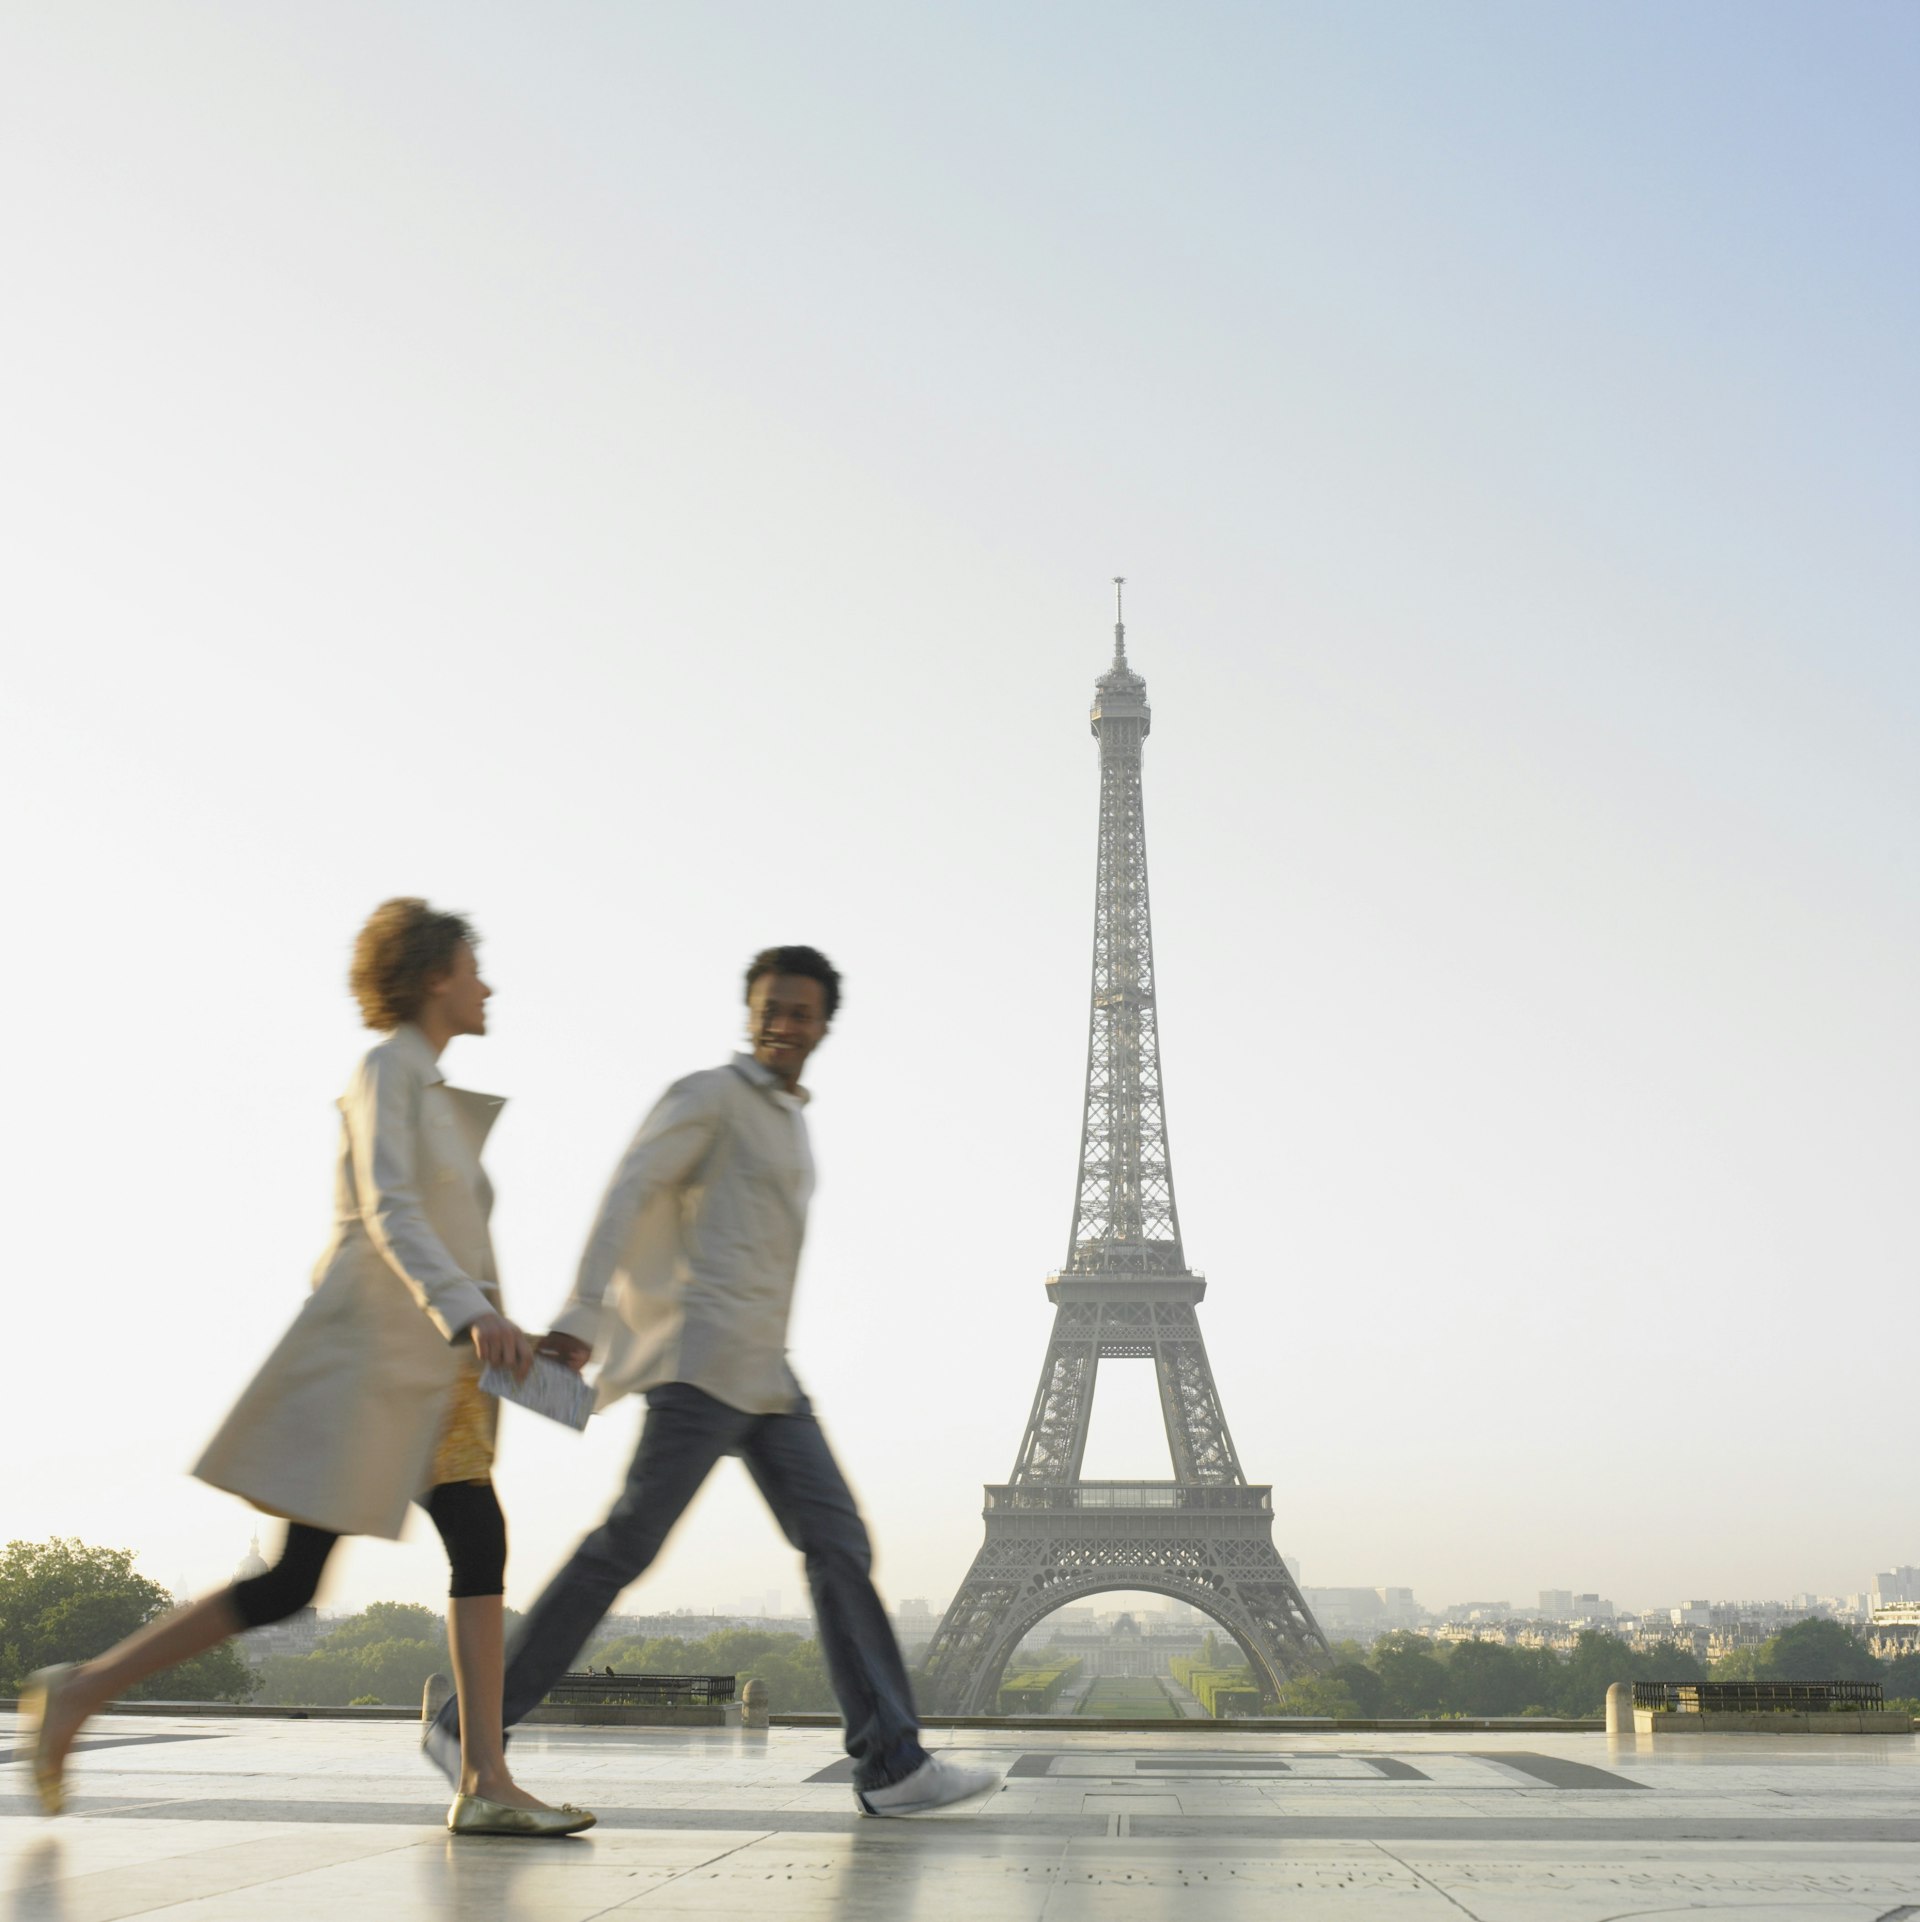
pixel 382 1109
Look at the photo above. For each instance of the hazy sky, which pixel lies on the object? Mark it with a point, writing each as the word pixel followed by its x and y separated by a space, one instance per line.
pixel 649 475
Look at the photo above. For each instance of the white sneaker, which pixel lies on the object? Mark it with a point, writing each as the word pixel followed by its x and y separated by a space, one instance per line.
pixel 935 1784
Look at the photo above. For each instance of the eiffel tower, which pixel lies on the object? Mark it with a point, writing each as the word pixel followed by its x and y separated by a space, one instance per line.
pixel 1206 1536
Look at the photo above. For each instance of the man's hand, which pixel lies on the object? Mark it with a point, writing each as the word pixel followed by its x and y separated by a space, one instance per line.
pixel 568 1350
pixel 500 1344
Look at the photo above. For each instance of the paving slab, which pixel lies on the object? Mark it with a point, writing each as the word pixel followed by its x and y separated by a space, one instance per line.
pixel 212 1819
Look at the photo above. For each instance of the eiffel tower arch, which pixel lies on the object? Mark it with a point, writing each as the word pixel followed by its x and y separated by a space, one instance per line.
pixel 1206 1536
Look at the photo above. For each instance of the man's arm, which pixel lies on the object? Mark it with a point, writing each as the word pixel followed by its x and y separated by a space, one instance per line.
pixel 671 1143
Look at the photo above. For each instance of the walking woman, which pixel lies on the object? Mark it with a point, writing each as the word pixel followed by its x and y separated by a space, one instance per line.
pixel 372 1399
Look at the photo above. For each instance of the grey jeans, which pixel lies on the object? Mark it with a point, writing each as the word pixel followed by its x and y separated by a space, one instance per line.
pixel 685 1433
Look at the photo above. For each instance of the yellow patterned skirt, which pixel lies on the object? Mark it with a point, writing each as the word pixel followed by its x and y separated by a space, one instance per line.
pixel 465 1450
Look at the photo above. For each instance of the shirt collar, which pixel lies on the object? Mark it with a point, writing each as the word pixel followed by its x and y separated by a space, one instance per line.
pixel 411 1041
pixel 764 1077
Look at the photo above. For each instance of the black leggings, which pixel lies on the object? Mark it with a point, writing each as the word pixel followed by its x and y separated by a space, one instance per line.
pixel 467 1514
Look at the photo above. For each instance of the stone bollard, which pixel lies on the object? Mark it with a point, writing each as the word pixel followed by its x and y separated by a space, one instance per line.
pixel 1620 1709
pixel 754 1705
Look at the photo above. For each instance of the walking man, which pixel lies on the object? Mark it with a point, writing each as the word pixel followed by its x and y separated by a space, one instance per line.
pixel 685 1290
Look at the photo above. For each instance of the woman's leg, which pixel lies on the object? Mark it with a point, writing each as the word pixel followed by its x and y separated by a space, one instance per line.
pixel 468 1516
pixel 181 1635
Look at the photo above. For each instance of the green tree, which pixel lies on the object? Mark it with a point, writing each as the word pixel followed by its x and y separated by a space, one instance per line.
pixel 1360 1682
pixel 1412 1681
pixel 1819 1651
pixel 64 1601
pixel 1487 1678
pixel 792 1666
pixel 388 1622
pixel 387 1652
pixel 1599 1660
pixel 1903 1678
pixel 1539 1670
pixel 1317 1695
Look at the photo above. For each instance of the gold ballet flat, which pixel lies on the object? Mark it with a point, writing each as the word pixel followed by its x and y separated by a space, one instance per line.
pixel 35 1699
pixel 476 1815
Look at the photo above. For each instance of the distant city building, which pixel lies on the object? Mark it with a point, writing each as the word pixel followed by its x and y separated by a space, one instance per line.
pixel 913 1625
pixel 1894 1588
pixel 1571 1605
pixel 1841 1608
pixel 1894 1630
pixel 1359 1614
pixel 1511 1632
pixel 1124 1645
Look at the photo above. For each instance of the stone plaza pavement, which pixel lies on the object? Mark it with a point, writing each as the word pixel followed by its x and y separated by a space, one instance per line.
pixel 213 1820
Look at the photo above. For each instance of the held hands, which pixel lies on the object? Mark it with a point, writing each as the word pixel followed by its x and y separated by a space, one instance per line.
pixel 568 1350
pixel 500 1344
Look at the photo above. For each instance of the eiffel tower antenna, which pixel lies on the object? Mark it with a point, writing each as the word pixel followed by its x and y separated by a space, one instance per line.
pixel 1119 621
pixel 1126 1292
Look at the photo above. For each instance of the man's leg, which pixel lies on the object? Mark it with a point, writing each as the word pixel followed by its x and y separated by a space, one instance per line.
pixel 789 1459
pixel 684 1434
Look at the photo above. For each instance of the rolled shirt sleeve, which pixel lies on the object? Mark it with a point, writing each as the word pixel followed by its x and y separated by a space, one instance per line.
pixel 382 1110
pixel 668 1148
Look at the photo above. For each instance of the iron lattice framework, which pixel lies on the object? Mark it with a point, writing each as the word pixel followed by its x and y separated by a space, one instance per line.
pixel 1206 1536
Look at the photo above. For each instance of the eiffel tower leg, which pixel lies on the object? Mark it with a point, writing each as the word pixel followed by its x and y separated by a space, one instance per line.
pixel 1056 1439
pixel 1197 1434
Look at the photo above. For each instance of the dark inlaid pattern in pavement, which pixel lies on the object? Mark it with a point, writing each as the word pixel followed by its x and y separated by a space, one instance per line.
pixel 89 1742
pixel 1550 1770
pixel 1557 1772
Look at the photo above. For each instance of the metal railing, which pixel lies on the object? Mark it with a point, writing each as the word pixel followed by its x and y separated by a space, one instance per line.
pixel 588 1690
pixel 1131 1495
pixel 1797 1698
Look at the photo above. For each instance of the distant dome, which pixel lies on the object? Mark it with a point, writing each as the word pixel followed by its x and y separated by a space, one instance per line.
pixel 252 1564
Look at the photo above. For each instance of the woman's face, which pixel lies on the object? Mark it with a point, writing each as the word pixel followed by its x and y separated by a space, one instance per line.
pixel 461 996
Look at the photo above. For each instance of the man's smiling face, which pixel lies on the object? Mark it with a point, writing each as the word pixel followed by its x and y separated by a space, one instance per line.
pixel 786 1020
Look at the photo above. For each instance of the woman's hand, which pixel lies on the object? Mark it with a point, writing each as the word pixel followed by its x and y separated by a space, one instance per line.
pixel 500 1344
pixel 568 1350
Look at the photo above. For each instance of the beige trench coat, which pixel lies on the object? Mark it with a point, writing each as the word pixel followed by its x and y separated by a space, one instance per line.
pixel 338 1428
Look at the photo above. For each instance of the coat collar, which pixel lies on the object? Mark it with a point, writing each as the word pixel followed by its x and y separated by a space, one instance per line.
pixel 765 1079
pixel 408 1040
pixel 477 1112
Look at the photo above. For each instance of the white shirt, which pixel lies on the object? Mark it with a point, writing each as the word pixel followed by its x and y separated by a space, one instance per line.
pixel 689 1271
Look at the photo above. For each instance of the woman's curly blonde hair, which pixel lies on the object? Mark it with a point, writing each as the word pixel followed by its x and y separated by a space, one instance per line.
pixel 404 945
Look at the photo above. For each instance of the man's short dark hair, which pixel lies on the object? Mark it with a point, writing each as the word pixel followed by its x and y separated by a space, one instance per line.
pixel 809 963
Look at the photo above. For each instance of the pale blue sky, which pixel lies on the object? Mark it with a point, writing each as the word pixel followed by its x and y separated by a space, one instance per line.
pixel 649 475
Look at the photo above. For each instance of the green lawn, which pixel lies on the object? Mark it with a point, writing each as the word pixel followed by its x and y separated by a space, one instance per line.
pixel 1133 1698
